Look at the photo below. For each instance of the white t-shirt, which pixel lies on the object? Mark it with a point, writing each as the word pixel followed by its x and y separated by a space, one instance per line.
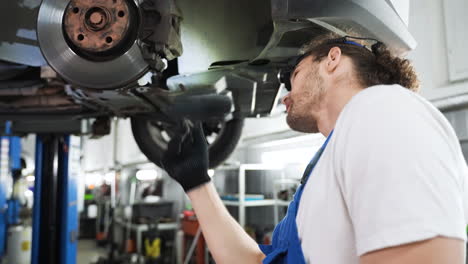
pixel 393 173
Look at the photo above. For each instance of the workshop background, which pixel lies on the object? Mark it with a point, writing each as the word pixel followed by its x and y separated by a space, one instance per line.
pixel 128 206
pixel 273 157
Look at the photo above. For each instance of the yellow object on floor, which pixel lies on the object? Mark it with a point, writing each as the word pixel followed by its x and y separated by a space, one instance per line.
pixel 153 249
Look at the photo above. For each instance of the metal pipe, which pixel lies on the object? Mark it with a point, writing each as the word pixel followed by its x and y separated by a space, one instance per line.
pixel 192 246
pixel 120 166
pixel 115 163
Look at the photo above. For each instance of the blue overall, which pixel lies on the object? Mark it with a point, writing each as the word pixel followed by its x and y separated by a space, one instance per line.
pixel 286 246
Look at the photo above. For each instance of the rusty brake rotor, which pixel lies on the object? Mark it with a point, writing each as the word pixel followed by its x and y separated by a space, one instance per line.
pixel 92 43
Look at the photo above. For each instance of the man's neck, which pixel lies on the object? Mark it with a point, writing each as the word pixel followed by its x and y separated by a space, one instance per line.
pixel 335 99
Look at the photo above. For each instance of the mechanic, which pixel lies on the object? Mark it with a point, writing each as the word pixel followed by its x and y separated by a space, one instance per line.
pixel 387 186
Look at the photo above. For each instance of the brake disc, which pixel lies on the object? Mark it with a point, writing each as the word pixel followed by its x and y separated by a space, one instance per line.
pixel 92 43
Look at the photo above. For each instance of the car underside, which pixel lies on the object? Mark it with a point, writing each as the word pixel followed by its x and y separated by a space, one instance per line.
pixel 70 66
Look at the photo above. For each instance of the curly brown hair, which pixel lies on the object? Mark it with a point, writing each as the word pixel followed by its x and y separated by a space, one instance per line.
pixel 372 67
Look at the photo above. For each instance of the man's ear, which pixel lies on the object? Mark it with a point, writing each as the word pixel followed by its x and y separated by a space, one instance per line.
pixel 333 59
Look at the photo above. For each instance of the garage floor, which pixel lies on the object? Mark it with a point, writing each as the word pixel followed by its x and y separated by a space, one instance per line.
pixel 89 252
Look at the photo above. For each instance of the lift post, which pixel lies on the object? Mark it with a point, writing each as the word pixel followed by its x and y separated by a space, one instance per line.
pixel 55 212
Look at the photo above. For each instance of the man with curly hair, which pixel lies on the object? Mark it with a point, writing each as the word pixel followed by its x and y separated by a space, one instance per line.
pixel 387 186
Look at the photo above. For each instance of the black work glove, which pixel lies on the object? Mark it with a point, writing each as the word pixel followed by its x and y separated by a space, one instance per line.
pixel 186 158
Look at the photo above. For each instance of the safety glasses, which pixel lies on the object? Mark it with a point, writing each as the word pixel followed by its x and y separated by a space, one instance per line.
pixel 286 72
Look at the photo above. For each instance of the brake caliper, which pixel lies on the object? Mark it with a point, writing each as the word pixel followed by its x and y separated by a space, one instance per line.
pixel 160 32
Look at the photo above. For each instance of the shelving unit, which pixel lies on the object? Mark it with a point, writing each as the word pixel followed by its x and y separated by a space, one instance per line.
pixel 242 203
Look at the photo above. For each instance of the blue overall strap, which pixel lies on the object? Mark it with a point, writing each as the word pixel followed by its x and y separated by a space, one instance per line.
pixel 314 160
pixel 286 245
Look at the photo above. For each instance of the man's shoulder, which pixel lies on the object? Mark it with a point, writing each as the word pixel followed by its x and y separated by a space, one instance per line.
pixel 385 105
pixel 386 99
pixel 384 94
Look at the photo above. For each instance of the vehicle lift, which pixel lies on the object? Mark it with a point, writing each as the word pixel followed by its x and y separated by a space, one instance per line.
pixel 55 209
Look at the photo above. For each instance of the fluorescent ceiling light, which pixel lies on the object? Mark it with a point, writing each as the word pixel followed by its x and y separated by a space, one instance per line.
pixel 30 178
pixel 92 178
pixel 211 172
pixel 147 175
pixel 109 177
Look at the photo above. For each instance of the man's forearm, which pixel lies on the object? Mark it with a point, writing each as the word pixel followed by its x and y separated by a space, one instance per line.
pixel 226 239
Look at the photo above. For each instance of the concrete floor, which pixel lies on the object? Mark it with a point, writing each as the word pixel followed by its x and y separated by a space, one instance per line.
pixel 89 252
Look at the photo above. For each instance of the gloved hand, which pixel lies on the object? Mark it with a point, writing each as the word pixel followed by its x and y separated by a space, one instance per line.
pixel 186 158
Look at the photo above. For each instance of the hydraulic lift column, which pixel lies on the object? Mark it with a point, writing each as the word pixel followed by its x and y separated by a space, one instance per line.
pixel 55 217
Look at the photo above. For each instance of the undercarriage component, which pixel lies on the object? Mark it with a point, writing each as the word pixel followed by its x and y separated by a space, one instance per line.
pixel 47 73
pixel 20 88
pixel 11 70
pixel 101 127
pixel 91 64
pixel 42 101
pixel 160 31
pixel 58 125
pixel 118 102
pixel 29 94
pixel 255 86
pixel 196 104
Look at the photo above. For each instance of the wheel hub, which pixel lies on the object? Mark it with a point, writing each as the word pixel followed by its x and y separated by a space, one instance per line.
pixel 97 19
pixel 97 25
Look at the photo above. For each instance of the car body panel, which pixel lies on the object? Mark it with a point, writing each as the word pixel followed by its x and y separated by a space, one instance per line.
pixel 18 40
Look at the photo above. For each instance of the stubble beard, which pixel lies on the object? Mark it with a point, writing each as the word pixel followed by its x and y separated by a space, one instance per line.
pixel 299 117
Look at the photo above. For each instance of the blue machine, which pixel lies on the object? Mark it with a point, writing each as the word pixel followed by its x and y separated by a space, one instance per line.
pixel 55 215
pixel 10 159
pixel 55 211
pixel 15 168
